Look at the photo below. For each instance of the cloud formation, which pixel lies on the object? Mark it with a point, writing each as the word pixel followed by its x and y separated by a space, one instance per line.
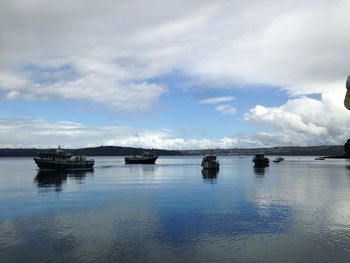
pixel 111 48
pixel 39 133
pixel 226 109
pixel 304 121
pixel 301 121
pixel 107 52
pixel 223 108
pixel 216 100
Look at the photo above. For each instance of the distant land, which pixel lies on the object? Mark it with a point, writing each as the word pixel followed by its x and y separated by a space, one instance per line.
pixel 326 150
pixel 90 151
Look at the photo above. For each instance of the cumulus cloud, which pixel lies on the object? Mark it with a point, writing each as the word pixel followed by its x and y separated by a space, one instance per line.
pixel 304 121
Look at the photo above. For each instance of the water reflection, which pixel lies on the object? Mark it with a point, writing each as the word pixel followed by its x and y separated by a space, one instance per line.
pixel 170 212
pixel 259 172
pixel 247 218
pixel 54 179
pixel 148 170
pixel 50 179
pixel 210 175
pixel 80 175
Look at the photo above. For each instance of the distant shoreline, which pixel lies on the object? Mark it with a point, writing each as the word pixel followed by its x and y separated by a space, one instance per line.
pixel 333 151
pixel 323 150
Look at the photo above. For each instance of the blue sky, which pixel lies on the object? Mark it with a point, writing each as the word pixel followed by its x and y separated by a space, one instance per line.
pixel 179 109
pixel 183 75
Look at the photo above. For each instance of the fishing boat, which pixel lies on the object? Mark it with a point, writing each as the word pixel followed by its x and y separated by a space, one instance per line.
pixel 60 160
pixel 260 160
pixel 210 162
pixel 144 158
pixel 278 159
pixel 320 158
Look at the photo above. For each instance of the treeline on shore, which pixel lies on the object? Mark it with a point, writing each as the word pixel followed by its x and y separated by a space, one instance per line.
pixel 90 151
pixel 327 150
pixel 331 150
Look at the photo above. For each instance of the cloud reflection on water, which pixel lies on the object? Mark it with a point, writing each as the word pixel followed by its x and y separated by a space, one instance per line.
pixel 166 212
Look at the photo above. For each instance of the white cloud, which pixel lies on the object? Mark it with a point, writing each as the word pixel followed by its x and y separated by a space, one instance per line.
pixel 216 100
pixel 304 121
pixel 223 108
pixel 41 134
pixel 226 109
pixel 301 121
pixel 108 51
pixel 114 47
pixel 83 79
pixel 284 44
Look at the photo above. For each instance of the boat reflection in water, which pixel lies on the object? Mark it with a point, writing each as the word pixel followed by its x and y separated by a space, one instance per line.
pixel 259 172
pixel 210 175
pixel 148 171
pixel 50 179
pixel 54 179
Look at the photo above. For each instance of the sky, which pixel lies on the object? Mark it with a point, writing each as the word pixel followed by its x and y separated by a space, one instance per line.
pixel 173 74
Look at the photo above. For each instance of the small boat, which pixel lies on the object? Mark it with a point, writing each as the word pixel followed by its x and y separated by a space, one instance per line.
pixel 210 162
pixel 278 159
pixel 62 161
pixel 260 160
pixel 144 158
pixel 320 158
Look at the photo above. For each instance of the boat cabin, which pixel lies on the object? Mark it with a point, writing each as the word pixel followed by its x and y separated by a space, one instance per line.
pixel 259 155
pixel 53 156
pixel 210 157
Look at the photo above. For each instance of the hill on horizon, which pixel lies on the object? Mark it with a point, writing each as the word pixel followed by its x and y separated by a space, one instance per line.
pixel 89 151
pixel 325 150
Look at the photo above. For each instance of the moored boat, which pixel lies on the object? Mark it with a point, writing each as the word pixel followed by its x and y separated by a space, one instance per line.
pixel 62 161
pixel 210 162
pixel 144 158
pixel 260 160
pixel 320 158
pixel 278 159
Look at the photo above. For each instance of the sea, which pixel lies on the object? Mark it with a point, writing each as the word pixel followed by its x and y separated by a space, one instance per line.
pixel 297 210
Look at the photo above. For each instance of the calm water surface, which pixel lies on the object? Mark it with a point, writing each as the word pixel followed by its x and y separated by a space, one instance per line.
pixel 294 211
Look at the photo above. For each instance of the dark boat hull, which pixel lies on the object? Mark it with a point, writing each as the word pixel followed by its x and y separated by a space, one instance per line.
pixel 140 161
pixel 261 163
pixel 63 165
pixel 210 165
